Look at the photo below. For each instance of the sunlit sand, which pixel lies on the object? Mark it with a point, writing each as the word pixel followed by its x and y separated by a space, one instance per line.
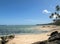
pixel 31 38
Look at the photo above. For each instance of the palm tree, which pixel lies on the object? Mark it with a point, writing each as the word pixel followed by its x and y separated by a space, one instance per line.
pixel 52 15
pixel 56 15
pixel 57 8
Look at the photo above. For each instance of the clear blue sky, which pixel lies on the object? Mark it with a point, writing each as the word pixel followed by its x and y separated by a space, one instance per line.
pixel 26 12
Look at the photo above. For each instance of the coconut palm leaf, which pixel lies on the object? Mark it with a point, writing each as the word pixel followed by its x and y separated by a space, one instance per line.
pixel 55 12
pixel 50 16
pixel 59 16
pixel 57 8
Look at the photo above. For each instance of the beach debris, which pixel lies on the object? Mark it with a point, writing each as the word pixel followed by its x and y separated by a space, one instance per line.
pixel 53 39
pixel 11 36
pixel 5 39
pixel 54 36
pixel 40 42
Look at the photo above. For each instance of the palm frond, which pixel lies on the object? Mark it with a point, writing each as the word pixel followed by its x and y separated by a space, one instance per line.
pixel 57 8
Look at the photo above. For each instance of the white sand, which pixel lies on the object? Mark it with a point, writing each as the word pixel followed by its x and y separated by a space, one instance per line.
pixel 28 39
pixel 31 38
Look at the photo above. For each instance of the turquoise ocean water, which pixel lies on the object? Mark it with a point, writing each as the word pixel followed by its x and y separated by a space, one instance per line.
pixel 19 29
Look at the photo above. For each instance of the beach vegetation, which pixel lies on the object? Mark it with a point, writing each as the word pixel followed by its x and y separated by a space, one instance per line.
pixel 56 16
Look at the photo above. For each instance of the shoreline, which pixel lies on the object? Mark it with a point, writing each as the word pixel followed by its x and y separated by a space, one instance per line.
pixel 31 38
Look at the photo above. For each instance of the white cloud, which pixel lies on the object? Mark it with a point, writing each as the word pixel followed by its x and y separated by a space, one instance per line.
pixel 46 11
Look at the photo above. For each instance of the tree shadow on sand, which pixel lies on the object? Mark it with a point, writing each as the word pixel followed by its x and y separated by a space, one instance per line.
pixel 5 39
pixel 53 39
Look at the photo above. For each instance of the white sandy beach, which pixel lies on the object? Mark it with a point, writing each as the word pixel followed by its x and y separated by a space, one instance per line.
pixel 31 38
pixel 28 39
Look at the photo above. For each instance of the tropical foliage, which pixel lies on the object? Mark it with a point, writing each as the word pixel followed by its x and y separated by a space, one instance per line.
pixel 56 15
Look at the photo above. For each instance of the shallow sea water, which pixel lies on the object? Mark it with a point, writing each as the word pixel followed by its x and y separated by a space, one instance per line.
pixel 19 29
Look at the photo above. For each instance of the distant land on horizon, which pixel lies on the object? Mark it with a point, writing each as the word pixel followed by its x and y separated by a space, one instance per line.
pixel 45 24
pixel 32 25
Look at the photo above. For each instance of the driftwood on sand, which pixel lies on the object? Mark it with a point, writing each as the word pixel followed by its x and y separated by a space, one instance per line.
pixel 5 39
pixel 53 39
